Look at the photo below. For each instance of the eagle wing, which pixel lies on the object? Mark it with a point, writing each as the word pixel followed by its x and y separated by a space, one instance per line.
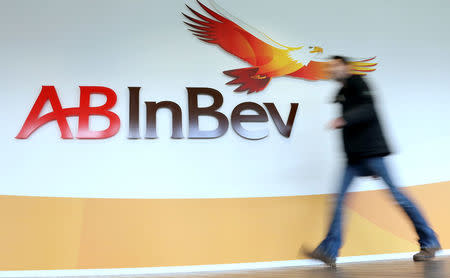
pixel 232 38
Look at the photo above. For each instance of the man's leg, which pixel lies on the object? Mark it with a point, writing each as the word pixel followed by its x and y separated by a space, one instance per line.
pixel 427 238
pixel 328 249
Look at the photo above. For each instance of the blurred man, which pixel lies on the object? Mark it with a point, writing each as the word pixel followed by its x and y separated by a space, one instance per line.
pixel 365 147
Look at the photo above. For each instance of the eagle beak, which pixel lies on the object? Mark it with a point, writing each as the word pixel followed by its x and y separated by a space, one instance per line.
pixel 317 50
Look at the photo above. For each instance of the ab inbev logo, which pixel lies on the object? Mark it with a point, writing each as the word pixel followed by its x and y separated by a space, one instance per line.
pixel 268 59
pixel 84 111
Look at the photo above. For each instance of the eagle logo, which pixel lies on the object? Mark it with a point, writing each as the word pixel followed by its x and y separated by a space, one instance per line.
pixel 268 58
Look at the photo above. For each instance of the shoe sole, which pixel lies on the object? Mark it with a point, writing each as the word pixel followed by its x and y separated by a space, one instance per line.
pixel 427 258
pixel 312 255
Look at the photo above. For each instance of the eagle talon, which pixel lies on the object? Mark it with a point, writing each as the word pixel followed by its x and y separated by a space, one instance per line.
pixel 258 76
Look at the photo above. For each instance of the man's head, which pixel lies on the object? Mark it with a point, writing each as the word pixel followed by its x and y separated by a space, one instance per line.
pixel 339 68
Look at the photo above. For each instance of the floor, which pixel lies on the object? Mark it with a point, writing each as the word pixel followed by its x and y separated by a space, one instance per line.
pixel 438 268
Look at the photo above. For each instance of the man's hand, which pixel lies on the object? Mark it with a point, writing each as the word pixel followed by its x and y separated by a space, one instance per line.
pixel 337 123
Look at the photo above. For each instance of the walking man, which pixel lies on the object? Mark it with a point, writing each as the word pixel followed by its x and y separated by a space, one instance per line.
pixel 365 147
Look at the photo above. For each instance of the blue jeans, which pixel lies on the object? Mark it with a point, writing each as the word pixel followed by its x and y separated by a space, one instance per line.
pixel 374 166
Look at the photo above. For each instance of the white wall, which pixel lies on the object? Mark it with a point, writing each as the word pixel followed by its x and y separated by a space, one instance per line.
pixel 145 43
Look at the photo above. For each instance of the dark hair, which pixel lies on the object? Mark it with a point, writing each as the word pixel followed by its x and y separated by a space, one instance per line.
pixel 341 58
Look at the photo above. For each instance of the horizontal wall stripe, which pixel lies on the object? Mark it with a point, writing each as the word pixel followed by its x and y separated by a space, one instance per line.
pixel 43 233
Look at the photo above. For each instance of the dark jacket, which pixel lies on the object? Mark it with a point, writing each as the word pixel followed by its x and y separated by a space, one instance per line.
pixel 363 136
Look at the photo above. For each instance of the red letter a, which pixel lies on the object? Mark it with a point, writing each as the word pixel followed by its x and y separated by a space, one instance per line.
pixel 33 121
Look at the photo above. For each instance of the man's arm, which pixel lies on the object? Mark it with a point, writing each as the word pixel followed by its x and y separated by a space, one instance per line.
pixel 360 114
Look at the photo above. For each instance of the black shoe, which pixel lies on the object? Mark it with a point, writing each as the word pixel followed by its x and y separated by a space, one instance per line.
pixel 426 254
pixel 318 254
